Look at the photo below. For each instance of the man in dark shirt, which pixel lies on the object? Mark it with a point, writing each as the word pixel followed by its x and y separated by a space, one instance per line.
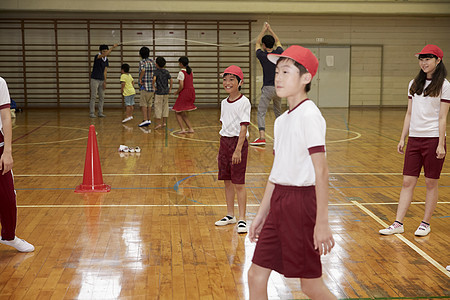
pixel 98 79
pixel 266 44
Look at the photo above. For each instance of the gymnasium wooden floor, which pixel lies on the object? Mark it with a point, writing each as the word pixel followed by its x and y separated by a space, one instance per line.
pixel 153 235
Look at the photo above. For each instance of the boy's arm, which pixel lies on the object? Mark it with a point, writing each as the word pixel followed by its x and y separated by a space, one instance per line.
pixel 323 238
pixel 170 86
pixel 260 36
pixel 277 40
pixel 236 158
pixel 122 86
pixel 104 74
pixel 154 81
pixel 108 52
pixel 6 160
pixel 443 112
pixel 263 211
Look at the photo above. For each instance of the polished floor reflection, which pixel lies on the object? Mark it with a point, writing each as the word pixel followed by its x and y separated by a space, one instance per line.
pixel 153 235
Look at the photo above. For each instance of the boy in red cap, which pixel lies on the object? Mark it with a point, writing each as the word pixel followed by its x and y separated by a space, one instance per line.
pixel 291 227
pixel 425 121
pixel 232 158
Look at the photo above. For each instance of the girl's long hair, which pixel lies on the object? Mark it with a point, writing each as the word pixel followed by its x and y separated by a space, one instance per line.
pixel 437 80
pixel 185 62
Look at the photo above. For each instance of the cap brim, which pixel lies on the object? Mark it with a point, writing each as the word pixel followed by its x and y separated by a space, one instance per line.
pixel 275 57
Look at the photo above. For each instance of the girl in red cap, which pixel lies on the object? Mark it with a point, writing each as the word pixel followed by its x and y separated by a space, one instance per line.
pixel 232 158
pixel 425 121
pixel 291 226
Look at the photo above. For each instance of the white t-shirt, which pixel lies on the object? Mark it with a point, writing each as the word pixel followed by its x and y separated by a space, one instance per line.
pixel 233 115
pixel 180 76
pixel 425 111
pixel 299 133
pixel 5 101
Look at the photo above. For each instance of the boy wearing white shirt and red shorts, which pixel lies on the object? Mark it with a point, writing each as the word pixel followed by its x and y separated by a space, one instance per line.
pixel 291 227
pixel 232 158
pixel 8 207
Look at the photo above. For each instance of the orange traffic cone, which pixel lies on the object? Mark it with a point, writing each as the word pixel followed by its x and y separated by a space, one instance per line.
pixel 92 177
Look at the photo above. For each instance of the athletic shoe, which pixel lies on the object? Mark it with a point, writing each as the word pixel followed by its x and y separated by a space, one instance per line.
pixel 123 148
pixel 19 244
pixel 101 115
pixel 258 142
pixel 145 123
pixel 242 227
pixel 92 116
pixel 137 149
pixel 448 268
pixel 226 220
pixel 127 119
pixel 423 230
pixel 396 227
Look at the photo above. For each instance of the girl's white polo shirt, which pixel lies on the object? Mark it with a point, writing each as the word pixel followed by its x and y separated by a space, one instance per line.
pixel 4 98
pixel 425 111
pixel 233 114
pixel 299 133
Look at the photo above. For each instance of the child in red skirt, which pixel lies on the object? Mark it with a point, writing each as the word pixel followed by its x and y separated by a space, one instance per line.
pixel 291 227
pixel 186 95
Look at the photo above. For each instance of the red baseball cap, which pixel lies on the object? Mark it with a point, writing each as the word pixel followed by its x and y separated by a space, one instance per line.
pixel 235 70
pixel 301 55
pixel 431 49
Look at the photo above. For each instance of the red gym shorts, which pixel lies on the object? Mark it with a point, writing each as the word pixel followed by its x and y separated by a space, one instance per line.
pixel 421 151
pixel 228 170
pixel 286 242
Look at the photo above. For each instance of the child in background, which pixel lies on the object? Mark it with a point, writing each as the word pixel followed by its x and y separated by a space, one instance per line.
pixel 128 91
pixel 186 95
pixel 161 80
pixel 426 121
pixel 146 69
pixel 291 226
pixel 232 158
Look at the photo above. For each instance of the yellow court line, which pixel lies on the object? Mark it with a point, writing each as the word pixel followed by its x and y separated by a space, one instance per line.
pixel 200 174
pixel 405 240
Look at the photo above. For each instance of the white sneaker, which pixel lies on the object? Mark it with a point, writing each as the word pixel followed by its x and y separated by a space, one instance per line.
pixel 226 220
pixel 448 268
pixel 242 227
pixel 393 229
pixel 145 123
pixel 127 119
pixel 423 230
pixel 19 244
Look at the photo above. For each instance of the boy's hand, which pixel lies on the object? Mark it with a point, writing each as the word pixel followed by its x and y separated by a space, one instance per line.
pixel 255 228
pixel 236 158
pixel 104 85
pixel 440 152
pixel 6 163
pixel 115 45
pixel 323 238
pixel 400 146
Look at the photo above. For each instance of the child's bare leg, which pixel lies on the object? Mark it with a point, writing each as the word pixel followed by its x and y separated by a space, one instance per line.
pixel 241 193
pixel 257 282
pixel 406 195
pixel 188 123
pixel 315 288
pixel 229 197
pixel 164 121
pixel 144 112
pixel 180 121
pixel 431 198
pixel 129 110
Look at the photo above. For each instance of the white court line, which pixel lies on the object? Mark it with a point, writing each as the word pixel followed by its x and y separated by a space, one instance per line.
pixel 188 205
pixel 405 240
pixel 197 174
